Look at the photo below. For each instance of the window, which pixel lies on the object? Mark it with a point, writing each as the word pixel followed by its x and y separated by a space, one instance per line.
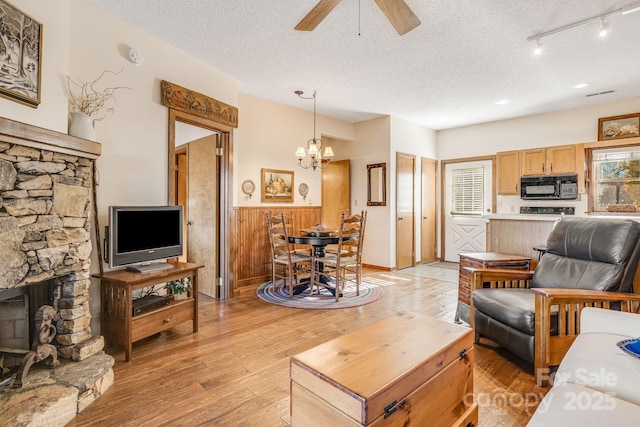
pixel 467 191
pixel 616 179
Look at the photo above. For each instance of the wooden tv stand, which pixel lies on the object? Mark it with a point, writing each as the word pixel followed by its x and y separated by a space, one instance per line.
pixel 119 326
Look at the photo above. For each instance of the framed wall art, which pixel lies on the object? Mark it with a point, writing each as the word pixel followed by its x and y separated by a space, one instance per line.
pixel 20 56
pixel 277 186
pixel 618 127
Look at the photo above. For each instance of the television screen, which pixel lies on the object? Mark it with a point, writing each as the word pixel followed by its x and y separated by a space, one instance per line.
pixel 142 234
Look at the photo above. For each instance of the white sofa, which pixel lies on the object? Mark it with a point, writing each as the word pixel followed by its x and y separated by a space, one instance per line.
pixel 596 384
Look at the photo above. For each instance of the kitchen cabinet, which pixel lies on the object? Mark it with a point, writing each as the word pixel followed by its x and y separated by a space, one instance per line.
pixel 549 161
pixel 508 171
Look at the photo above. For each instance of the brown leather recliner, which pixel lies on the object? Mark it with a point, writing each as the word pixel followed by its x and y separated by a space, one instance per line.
pixel 589 262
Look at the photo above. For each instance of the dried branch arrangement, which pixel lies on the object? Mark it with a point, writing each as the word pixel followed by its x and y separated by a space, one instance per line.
pixel 88 99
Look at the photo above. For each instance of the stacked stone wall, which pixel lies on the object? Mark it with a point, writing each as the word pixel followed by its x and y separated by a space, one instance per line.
pixel 45 230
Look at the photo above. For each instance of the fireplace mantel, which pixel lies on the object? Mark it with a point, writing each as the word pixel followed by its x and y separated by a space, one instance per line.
pixel 36 137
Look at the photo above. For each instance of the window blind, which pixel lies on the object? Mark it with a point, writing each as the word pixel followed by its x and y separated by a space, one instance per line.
pixel 467 191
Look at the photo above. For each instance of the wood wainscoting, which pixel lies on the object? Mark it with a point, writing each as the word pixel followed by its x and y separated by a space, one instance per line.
pixel 252 253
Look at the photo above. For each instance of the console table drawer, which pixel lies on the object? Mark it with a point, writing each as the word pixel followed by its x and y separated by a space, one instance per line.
pixel 165 318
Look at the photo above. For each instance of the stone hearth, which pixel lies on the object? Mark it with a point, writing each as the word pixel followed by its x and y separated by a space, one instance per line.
pixel 45 194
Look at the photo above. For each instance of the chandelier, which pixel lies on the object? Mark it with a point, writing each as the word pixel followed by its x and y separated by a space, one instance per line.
pixel 314 145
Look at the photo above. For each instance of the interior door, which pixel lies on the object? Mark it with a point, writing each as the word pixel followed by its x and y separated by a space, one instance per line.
pixel 466 233
pixel 428 226
pixel 405 210
pixel 202 211
pixel 336 193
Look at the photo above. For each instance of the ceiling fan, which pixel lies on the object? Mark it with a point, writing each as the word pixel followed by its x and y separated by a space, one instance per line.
pixel 397 12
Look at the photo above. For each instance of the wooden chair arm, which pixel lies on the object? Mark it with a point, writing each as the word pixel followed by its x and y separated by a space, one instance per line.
pixel 568 304
pixel 583 295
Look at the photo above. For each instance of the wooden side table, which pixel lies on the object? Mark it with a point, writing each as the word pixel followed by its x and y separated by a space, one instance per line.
pixel 482 260
pixel 120 326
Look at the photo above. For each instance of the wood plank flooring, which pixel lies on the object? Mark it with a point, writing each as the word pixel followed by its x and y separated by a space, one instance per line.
pixel 235 370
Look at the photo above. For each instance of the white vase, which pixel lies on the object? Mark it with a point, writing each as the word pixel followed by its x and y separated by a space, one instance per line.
pixel 82 126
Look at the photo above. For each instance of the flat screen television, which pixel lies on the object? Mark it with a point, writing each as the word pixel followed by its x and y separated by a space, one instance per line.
pixel 139 235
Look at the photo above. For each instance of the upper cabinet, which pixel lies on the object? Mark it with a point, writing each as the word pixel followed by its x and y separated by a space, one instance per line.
pixel 508 171
pixel 549 161
pixel 560 160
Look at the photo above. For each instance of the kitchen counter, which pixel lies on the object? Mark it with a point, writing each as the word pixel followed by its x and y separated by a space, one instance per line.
pixel 523 217
pixel 520 234
pixel 550 217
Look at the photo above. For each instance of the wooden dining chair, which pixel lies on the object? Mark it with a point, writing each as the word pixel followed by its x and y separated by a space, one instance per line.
pixel 289 220
pixel 286 262
pixel 346 263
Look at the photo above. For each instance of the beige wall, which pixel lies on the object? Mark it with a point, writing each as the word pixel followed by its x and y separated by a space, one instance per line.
pixel 268 136
pixel 541 130
pixel 52 111
pixel 410 138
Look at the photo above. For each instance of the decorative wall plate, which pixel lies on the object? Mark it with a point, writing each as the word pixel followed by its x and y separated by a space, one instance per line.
pixel 303 189
pixel 248 187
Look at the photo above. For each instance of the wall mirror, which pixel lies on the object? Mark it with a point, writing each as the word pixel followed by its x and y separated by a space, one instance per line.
pixel 377 184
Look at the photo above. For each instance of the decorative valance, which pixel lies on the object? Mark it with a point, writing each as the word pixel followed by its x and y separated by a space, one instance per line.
pixel 183 99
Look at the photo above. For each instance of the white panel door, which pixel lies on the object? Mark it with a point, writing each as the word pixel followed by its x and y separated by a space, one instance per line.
pixel 465 233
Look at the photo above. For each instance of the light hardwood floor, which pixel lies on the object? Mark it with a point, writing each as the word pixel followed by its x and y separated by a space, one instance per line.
pixel 235 370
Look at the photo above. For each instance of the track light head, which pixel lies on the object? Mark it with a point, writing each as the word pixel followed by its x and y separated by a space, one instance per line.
pixel 538 50
pixel 604 29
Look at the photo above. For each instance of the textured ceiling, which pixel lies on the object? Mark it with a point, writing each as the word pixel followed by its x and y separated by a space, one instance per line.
pixel 448 72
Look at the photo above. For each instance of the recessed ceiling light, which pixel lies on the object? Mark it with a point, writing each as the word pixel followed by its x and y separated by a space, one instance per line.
pixel 501 102
pixel 580 86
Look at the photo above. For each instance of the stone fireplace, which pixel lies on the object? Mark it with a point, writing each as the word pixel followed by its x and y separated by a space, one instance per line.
pixel 45 222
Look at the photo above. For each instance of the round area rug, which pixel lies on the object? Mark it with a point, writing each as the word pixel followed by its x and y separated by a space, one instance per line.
pixel 324 301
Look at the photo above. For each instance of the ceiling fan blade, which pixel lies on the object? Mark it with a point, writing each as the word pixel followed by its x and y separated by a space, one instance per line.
pixel 317 14
pixel 399 14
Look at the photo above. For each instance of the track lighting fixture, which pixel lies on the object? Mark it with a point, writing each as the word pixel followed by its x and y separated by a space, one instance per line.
pixel 538 50
pixel 602 31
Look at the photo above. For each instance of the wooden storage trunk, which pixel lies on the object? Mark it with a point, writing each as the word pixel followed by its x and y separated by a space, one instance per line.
pixel 406 370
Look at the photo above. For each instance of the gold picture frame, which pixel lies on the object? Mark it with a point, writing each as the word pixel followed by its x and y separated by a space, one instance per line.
pixel 22 63
pixel 277 186
pixel 619 127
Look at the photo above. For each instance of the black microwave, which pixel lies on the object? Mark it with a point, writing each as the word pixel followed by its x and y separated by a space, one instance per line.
pixel 549 187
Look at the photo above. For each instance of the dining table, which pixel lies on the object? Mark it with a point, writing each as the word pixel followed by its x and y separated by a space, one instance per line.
pixel 318 239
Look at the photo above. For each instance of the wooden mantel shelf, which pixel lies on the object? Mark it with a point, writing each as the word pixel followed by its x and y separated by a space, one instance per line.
pixel 33 136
